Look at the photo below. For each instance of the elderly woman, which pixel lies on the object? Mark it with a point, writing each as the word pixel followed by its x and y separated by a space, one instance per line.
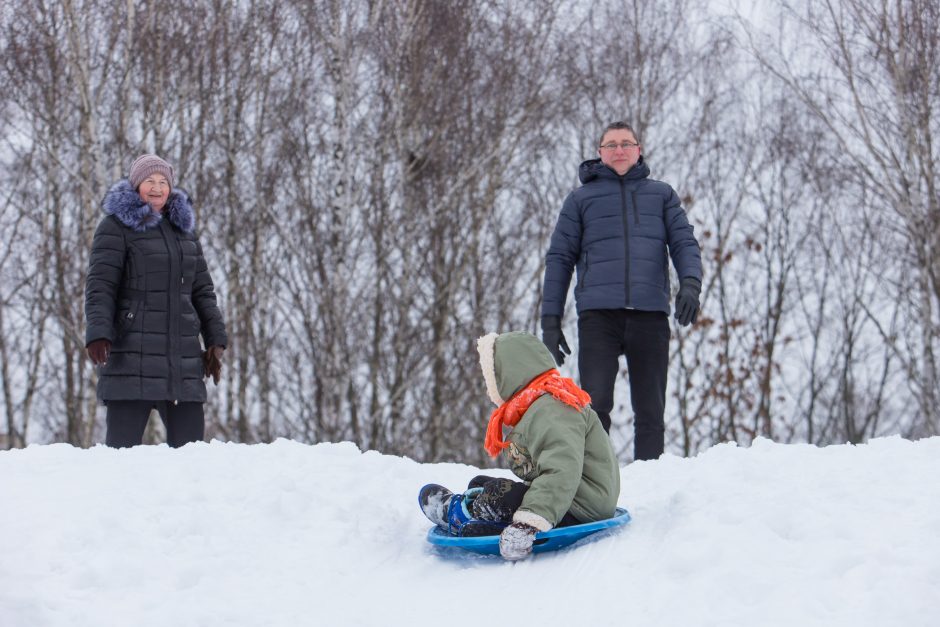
pixel 148 298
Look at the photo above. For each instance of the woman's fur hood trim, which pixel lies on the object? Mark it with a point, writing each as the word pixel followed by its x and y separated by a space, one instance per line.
pixel 124 203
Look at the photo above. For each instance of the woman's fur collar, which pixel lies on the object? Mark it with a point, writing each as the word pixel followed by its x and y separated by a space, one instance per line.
pixel 124 203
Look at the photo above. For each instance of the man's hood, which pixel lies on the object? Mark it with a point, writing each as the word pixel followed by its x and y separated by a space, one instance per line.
pixel 595 168
pixel 509 361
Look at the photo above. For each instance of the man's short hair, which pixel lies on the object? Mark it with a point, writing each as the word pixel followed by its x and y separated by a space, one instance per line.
pixel 617 126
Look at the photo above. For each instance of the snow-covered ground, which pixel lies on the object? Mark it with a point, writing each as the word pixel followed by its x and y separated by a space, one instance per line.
pixel 290 534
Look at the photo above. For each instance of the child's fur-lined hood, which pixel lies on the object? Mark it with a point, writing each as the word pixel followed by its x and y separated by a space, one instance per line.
pixel 509 361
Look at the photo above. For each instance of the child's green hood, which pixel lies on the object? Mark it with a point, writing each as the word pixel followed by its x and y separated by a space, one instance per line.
pixel 510 361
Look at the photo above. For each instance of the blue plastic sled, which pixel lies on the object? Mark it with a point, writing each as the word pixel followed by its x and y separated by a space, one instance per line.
pixel 550 540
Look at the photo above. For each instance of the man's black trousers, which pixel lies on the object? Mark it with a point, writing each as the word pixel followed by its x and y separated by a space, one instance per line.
pixel 127 420
pixel 643 337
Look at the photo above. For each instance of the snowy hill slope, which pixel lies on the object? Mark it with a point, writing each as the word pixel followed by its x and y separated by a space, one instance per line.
pixel 290 534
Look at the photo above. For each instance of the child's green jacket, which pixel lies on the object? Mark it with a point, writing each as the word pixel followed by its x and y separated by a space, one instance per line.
pixel 562 452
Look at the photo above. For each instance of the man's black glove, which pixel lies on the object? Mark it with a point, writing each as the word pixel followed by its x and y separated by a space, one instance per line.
pixel 687 301
pixel 554 339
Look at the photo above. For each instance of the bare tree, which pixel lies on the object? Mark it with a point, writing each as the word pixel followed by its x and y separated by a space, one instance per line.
pixel 376 182
pixel 870 76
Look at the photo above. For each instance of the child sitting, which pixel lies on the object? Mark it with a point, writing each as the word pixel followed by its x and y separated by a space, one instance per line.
pixel 557 446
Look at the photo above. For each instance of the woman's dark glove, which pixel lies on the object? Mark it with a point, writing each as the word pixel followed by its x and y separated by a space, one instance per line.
pixel 212 362
pixel 554 339
pixel 515 542
pixel 99 351
pixel 687 301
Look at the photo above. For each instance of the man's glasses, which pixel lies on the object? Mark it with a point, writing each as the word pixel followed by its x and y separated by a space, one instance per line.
pixel 623 145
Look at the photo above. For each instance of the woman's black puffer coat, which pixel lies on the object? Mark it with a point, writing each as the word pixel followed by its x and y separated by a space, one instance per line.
pixel 149 292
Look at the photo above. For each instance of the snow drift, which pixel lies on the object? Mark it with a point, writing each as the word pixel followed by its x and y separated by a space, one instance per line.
pixel 292 534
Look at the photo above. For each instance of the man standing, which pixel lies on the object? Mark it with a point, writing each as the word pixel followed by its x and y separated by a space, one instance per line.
pixel 618 228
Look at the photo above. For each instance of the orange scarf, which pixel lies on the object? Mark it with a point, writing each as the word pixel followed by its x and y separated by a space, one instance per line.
pixel 511 412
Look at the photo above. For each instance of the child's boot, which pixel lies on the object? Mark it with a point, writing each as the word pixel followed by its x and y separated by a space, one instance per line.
pixel 435 502
pixel 451 512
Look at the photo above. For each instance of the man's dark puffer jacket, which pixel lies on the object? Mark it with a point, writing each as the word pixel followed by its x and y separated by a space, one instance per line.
pixel 619 231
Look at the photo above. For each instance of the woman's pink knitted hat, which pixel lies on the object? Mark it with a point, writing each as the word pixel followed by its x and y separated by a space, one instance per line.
pixel 145 165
